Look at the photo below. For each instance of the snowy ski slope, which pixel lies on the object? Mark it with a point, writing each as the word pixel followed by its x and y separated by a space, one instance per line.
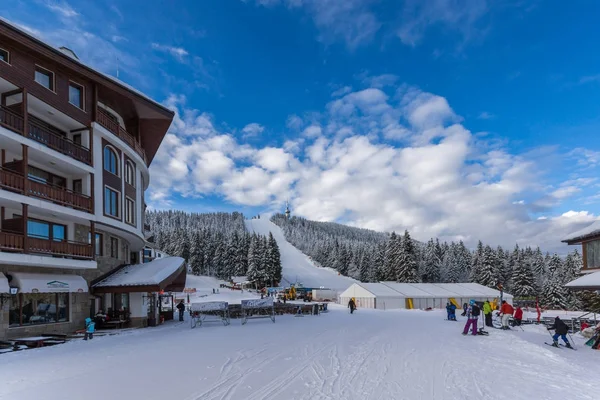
pixel 297 267
pixel 372 354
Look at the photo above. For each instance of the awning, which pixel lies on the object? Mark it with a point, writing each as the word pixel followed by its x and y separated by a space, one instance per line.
pixel 48 283
pixel 166 274
pixel 586 282
pixel 3 284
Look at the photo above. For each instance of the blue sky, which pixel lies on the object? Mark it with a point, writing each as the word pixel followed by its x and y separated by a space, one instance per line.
pixel 463 119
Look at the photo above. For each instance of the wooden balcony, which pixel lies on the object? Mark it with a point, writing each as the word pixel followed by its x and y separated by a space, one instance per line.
pixel 37 132
pixel 108 122
pixel 16 182
pixel 15 242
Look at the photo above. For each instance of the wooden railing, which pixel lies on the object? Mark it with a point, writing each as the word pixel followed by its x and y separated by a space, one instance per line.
pixel 12 181
pixel 10 241
pixel 40 134
pixel 106 120
pixel 60 195
pixel 11 120
pixel 56 142
pixel 59 248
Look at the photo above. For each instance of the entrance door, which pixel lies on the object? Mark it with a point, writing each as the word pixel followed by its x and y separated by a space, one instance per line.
pixel 134 257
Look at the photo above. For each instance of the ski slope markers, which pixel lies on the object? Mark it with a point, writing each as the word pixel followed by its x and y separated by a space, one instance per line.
pixel 297 267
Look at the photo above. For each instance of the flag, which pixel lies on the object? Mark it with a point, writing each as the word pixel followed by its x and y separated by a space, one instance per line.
pixel 537 308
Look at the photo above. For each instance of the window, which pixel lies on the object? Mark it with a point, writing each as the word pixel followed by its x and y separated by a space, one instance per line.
pixel 77 139
pixel 129 211
pixel 97 243
pixel 44 77
pixel 114 247
pixel 111 202
pixel 78 186
pixel 111 163
pixel 76 95
pixel 38 308
pixel 39 175
pixel 46 230
pixel 592 254
pixel 5 56
pixel 130 173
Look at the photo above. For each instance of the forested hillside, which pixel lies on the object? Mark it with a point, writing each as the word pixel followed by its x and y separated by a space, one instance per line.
pixel 216 244
pixel 371 257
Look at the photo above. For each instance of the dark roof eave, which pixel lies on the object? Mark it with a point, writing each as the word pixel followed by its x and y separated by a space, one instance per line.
pixel 164 110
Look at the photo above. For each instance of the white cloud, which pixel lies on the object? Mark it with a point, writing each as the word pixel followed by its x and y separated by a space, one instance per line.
pixel 62 8
pixel 590 79
pixel 486 115
pixel 178 52
pixel 442 181
pixel 341 91
pixel 252 130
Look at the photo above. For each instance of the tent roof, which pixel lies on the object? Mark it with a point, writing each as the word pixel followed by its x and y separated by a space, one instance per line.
pixel 586 282
pixel 407 289
pixel 380 290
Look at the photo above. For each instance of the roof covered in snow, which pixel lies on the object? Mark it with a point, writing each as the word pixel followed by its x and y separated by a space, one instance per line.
pixel 158 273
pixel 588 232
pixel 424 290
pixel 586 282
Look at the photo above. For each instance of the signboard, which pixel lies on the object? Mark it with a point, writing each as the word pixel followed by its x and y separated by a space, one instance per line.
pixel 189 290
pixel 209 306
pixel 258 303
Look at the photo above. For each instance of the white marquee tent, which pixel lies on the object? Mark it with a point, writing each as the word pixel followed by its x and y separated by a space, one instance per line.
pixel 394 295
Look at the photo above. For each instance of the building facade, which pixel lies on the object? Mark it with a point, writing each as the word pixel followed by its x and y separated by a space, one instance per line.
pixel 589 239
pixel 75 147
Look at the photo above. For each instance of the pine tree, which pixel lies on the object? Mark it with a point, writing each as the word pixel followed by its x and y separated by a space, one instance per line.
pixel 431 264
pixel 554 294
pixel 539 269
pixel 196 260
pixel 477 263
pixel 522 280
pixel 391 260
pixel 274 260
pixel 571 270
pixel 408 267
pixel 379 267
pixel 486 269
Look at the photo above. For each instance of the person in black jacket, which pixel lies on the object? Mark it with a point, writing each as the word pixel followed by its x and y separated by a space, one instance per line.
pixel 181 308
pixel 352 305
pixel 560 329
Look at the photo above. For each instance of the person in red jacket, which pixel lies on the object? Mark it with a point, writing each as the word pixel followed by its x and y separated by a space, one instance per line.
pixel 507 311
pixel 518 316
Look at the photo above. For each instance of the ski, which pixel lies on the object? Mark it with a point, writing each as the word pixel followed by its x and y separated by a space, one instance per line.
pixel 572 348
pixel 551 345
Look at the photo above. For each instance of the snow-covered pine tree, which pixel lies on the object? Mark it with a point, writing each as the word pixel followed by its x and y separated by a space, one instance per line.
pixel 523 283
pixel 391 258
pixel 477 263
pixel 503 270
pixel 378 273
pixel 430 265
pixel 571 270
pixel 274 261
pixel 539 269
pixel 196 260
pixel 367 264
pixel 408 268
pixel 554 294
pixel 487 267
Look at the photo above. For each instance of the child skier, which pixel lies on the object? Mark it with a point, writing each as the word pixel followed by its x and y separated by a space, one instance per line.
pixel 472 317
pixel 451 310
pixel 560 329
pixel 90 327
pixel 518 316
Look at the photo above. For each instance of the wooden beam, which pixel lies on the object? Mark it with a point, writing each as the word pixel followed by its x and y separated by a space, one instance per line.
pixel 25 213
pixel 2 157
pixel 584 255
pixel 2 214
pixel 6 95
pixel 91 145
pixel 95 103
pixel 26 167
pixel 25 113
pixel 92 193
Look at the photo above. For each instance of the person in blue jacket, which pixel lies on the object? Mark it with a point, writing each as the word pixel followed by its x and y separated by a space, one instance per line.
pixel 90 327
pixel 451 310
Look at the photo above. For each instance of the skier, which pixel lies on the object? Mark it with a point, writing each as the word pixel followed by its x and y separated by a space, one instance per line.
pixel 181 308
pixel 560 329
pixel 518 316
pixel 352 305
pixel 465 307
pixel 472 317
pixel 487 311
pixel 451 310
pixel 90 327
pixel 507 311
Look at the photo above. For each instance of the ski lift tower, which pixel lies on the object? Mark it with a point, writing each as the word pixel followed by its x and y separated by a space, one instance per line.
pixel 287 210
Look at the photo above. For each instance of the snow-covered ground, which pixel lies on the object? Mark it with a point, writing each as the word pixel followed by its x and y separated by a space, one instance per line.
pixel 297 267
pixel 372 354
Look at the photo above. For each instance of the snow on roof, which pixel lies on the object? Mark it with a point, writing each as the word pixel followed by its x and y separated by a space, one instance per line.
pixel 591 230
pixel 379 289
pixel 407 289
pixel 589 281
pixel 239 279
pixel 4 284
pixel 77 60
pixel 152 273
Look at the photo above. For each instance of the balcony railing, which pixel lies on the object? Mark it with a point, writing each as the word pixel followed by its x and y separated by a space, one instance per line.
pixel 60 195
pixel 12 241
pixel 16 182
pixel 107 121
pixel 40 134
pixel 12 181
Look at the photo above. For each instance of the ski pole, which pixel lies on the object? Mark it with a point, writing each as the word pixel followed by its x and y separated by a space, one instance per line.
pixel 572 340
